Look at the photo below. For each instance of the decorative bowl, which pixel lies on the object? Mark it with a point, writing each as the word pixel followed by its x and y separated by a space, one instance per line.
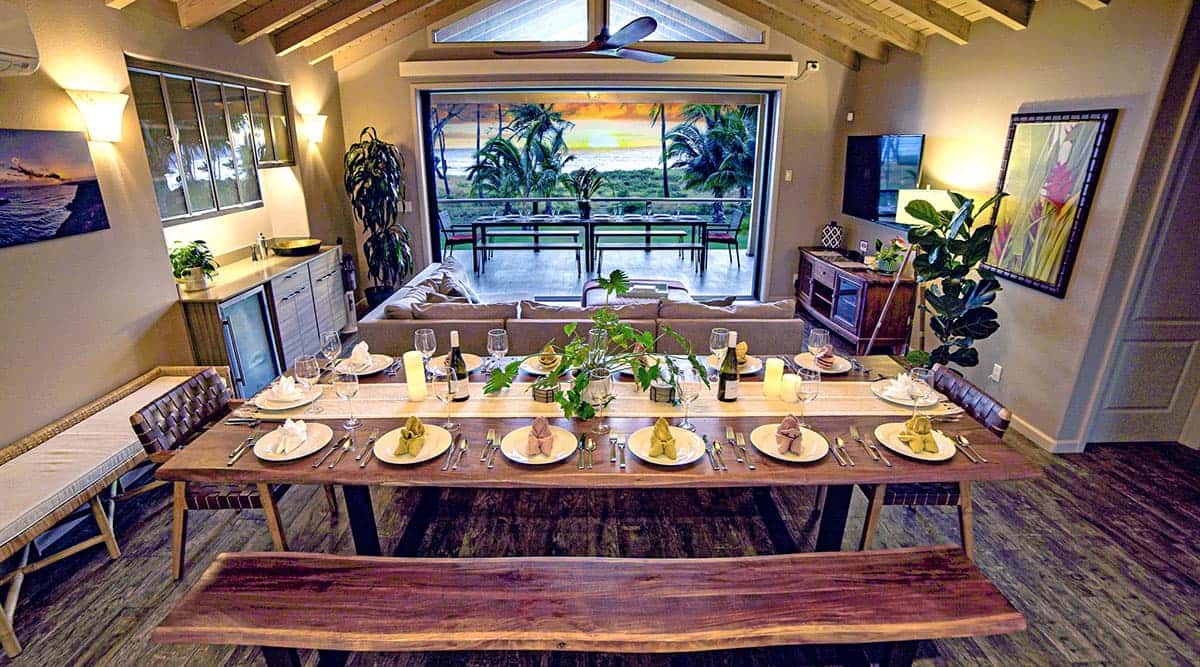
pixel 295 247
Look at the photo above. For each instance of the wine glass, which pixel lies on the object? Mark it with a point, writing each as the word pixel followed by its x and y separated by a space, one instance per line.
pixel 345 385
pixel 689 391
pixel 920 387
pixel 308 372
pixel 444 390
pixel 807 389
pixel 718 344
pixel 818 342
pixel 331 347
pixel 600 392
pixel 497 346
pixel 425 342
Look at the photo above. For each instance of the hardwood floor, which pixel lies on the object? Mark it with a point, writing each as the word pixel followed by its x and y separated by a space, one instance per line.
pixel 1103 557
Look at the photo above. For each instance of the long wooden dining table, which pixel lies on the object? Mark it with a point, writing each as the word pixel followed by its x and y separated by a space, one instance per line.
pixel 205 459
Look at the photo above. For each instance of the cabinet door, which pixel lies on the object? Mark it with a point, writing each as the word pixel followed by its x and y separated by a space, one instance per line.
pixel 247 327
pixel 306 319
pixel 804 278
pixel 847 302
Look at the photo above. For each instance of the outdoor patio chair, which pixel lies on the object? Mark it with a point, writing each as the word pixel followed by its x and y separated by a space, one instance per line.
pixel 452 234
pixel 728 235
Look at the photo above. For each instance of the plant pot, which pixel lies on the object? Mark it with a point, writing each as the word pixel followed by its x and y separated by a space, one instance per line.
pixel 378 294
pixel 887 267
pixel 196 281
pixel 585 209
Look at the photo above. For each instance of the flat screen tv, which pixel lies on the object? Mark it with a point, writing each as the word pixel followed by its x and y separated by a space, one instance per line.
pixel 877 168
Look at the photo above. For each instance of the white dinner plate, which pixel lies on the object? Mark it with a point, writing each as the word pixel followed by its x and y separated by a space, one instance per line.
pixel 688 447
pixel 878 387
pixel 437 365
pixel 753 364
pixel 378 363
pixel 813 445
pixel 318 436
pixel 888 436
pixel 513 446
pixel 437 441
pixel 840 364
pixel 534 367
pixel 271 405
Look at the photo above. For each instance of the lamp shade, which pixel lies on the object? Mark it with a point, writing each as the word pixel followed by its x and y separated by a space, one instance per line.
pixel 314 126
pixel 939 198
pixel 102 113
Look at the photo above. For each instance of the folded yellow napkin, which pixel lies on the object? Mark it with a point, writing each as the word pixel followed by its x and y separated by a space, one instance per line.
pixel 789 436
pixel 662 443
pixel 548 358
pixel 541 438
pixel 742 349
pixel 918 435
pixel 412 437
pixel 292 434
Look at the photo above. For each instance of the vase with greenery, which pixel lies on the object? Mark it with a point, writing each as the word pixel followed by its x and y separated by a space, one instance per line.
pixel 192 264
pixel 583 184
pixel 888 256
pixel 375 183
pixel 611 345
pixel 958 290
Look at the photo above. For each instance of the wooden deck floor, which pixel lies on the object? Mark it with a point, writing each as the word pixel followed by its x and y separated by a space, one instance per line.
pixel 1103 557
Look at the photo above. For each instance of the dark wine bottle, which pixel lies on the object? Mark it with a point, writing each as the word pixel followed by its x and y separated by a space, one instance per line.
pixel 727 388
pixel 455 360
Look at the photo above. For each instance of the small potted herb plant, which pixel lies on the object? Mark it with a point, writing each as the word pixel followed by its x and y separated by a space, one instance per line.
pixel 583 183
pixel 889 255
pixel 192 265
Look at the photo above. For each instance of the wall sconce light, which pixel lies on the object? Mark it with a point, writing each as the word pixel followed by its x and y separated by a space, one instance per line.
pixel 313 126
pixel 102 112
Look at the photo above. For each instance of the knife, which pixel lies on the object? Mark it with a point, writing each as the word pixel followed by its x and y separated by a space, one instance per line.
pixel 450 453
pixel 491 462
pixel 732 442
pixel 716 443
pixel 488 443
pixel 836 456
pixel 331 450
pixel 857 437
pixel 741 442
pixel 841 445
pixel 962 439
pixel 612 443
pixel 971 456
pixel 342 454
pixel 708 451
pixel 247 446
pixel 463 446
pixel 875 446
pixel 579 451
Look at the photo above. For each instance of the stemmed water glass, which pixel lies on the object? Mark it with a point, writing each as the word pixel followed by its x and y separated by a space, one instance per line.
pixel 689 391
pixel 718 344
pixel 497 346
pixel 600 392
pixel 345 385
pixel 818 342
pixel 444 391
pixel 425 342
pixel 920 386
pixel 807 389
pixel 331 347
pixel 308 373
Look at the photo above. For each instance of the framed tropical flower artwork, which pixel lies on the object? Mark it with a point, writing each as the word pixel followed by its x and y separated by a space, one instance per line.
pixel 1051 166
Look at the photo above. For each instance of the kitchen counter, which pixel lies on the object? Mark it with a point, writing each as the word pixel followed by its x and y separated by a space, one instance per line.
pixel 236 277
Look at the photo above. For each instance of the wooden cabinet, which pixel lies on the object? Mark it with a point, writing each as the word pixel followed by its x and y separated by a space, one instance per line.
pixel 848 298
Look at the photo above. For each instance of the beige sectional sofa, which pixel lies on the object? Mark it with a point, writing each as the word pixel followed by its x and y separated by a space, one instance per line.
pixel 442 298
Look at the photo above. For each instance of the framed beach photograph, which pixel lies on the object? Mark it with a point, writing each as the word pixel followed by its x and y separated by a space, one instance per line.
pixel 1051 167
pixel 48 187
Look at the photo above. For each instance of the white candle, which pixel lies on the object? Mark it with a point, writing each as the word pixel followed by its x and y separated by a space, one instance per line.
pixel 772 378
pixel 788 386
pixel 414 375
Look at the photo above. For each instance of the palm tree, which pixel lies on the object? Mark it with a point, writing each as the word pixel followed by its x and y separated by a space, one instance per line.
pixel 503 170
pixel 658 115
pixel 719 157
pixel 542 133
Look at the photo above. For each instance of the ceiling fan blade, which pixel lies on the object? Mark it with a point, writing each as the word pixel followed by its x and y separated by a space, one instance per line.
pixel 634 31
pixel 642 56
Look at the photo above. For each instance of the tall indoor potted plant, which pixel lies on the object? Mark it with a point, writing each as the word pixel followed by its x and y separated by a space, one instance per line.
pixel 375 183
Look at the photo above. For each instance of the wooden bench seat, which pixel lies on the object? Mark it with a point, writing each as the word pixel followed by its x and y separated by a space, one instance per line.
pixel 337 603
pixel 641 232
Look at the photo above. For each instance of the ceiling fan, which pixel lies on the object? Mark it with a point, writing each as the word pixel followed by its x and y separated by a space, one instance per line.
pixel 614 45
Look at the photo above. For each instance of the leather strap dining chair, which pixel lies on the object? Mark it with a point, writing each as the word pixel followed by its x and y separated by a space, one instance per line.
pixel 978 405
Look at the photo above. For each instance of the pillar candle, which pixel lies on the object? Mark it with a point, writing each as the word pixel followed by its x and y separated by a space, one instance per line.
pixel 414 375
pixel 772 378
pixel 788 386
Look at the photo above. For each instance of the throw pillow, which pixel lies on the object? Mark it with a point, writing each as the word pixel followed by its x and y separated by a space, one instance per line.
pixel 464 311
pixel 532 310
pixel 438 297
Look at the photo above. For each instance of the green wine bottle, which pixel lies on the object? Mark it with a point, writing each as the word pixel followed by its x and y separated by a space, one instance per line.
pixel 455 360
pixel 727 388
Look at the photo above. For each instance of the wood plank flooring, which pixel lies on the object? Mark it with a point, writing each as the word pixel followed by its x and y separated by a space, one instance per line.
pixel 1103 557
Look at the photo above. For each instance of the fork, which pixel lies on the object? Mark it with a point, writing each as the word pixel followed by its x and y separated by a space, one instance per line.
pixel 488 443
pixel 729 440
pixel 463 446
pixel 331 450
pixel 621 440
pixel 871 448
pixel 367 447
pixel 450 453
pixel 741 443
pixel 247 446
pixel 249 439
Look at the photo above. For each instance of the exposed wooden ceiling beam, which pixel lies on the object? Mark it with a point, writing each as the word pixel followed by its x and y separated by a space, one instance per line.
pixel 944 22
pixel 1011 13
pixel 1094 4
pixel 873 21
pixel 195 13
pixel 840 42
pixel 118 4
pixel 270 17
pixel 294 36
pixel 386 26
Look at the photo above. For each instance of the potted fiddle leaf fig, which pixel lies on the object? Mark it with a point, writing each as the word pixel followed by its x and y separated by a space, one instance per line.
pixel 583 183
pixel 193 265
pixel 374 182
pixel 958 289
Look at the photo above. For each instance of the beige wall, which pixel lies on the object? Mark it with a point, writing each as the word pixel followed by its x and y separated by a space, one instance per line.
pixel 962 97
pixel 83 314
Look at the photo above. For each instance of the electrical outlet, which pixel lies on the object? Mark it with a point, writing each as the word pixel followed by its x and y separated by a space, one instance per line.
pixel 787 175
pixel 997 370
pixel 862 247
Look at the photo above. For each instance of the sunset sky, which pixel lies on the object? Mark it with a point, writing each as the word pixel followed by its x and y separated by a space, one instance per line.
pixel 597 125
pixel 65 153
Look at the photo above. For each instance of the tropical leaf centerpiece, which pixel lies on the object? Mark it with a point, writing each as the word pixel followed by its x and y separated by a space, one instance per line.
pixel 609 344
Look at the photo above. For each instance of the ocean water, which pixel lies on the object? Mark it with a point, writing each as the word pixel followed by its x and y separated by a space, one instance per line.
pixel 33 213
pixel 461 159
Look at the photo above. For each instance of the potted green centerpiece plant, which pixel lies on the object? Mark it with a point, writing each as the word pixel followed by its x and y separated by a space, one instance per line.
pixel 375 183
pixel 583 183
pixel 889 255
pixel 609 347
pixel 193 265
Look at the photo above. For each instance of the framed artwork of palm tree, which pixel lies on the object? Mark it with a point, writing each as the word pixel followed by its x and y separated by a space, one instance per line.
pixel 1051 168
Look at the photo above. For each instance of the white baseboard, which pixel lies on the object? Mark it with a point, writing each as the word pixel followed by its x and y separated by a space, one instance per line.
pixel 1044 440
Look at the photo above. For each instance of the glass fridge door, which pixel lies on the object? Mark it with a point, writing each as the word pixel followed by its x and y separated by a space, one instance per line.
pixel 247 324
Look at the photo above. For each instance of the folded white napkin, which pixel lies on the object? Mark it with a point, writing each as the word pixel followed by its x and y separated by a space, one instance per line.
pixel 360 357
pixel 285 390
pixel 897 388
pixel 291 435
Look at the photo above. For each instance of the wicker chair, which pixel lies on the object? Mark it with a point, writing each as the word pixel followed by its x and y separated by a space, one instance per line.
pixel 176 418
pixel 978 405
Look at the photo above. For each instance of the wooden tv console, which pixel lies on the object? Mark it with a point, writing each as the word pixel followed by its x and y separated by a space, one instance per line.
pixel 847 297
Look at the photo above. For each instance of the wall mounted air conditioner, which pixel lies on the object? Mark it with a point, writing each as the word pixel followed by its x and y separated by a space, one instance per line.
pixel 18 51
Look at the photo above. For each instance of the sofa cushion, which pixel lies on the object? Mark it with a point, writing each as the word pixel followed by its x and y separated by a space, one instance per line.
pixel 528 336
pixel 764 336
pixel 399 306
pixel 465 311
pixel 784 309
pixel 532 310
pixel 456 280
pixel 437 297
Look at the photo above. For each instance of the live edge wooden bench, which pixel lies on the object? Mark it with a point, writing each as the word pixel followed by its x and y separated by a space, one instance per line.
pixel 338 604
